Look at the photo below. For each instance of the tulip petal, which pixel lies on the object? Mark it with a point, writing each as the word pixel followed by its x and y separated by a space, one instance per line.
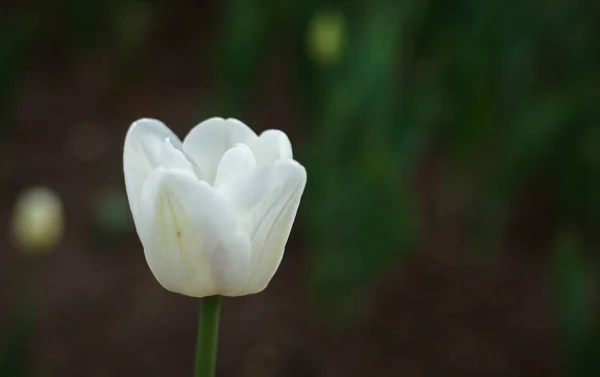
pixel 142 152
pixel 270 146
pixel 267 201
pixel 235 163
pixel 208 141
pixel 173 158
pixel 190 236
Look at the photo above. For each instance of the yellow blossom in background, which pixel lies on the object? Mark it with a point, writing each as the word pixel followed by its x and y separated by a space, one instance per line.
pixel 326 36
pixel 37 220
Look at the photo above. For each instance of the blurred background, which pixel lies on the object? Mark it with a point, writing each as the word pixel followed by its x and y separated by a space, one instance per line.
pixel 451 221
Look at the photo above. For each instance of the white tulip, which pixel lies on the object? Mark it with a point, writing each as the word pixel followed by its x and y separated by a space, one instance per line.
pixel 215 211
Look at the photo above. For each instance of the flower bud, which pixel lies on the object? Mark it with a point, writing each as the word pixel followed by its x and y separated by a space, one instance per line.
pixel 38 220
pixel 214 211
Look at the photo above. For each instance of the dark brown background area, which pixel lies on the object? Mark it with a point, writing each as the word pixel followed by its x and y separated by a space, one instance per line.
pixel 100 311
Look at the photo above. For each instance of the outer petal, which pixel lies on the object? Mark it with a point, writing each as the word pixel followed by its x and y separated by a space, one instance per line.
pixel 142 152
pixel 190 236
pixel 267 202
pixel 270 146
pixel 208 141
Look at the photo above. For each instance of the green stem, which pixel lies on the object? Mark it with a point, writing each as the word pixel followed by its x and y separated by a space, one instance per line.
pixel 208 336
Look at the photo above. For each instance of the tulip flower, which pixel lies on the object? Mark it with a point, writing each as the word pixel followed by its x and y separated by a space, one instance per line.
pixel 214 212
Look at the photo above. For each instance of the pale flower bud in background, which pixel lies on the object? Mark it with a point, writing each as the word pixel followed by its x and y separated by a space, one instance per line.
pixel 214 211
pixel 326 38
pixel 38 220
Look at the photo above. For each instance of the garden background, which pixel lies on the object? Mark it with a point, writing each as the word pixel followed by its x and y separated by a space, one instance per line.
pixel 451 220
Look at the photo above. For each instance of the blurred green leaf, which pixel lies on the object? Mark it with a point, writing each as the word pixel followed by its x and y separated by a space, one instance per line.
pixel 16 42
pixel 112 216
pixel 243 50
pixel 14 353
pixel 577 315
pixel 359 199
pixel 84 22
